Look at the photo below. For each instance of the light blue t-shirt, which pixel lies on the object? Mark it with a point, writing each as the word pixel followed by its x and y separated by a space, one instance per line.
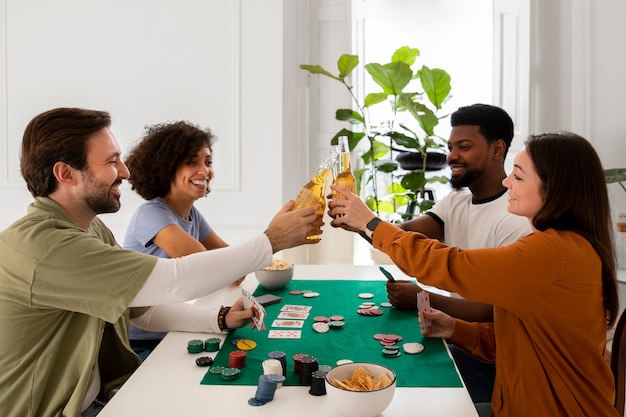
pixel 149 219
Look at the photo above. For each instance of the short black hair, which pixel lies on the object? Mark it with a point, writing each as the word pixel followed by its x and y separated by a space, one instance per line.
pixel 494 123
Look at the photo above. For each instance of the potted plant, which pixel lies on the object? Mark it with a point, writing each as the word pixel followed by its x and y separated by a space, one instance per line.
pixel 407 126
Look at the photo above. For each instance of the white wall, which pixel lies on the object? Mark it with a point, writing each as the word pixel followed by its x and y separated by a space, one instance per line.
pixel 215 63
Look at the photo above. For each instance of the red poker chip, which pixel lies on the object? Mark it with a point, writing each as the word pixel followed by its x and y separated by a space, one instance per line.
pixel 379 336
pixel 387 342
pixel 336 318
pixel 295 292
pixel 321 319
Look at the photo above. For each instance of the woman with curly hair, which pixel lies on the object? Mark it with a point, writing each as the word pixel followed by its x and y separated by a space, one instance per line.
pixel 171 167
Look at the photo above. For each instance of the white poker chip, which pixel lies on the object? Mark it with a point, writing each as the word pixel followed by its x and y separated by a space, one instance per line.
pixel 344 361
pixel 321 327
pixel 366 295
pixel 311 294
pixel 386 304
pixel 413 348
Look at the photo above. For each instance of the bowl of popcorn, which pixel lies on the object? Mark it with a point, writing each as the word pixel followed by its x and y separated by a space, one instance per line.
pixel 275 276
pixel 360 389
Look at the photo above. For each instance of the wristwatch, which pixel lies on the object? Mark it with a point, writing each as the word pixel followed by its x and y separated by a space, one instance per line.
pixel 371 226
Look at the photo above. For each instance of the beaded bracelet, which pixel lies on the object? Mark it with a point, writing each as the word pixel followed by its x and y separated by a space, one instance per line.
pixel 221 318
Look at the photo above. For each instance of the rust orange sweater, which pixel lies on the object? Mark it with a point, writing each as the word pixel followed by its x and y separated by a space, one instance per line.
pixel 549 332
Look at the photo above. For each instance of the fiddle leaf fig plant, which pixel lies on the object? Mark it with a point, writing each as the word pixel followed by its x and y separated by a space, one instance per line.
pixel 413 99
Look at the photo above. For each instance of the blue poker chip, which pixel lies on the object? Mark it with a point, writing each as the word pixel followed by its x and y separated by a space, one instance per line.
pixel 235 341
pixel 256 403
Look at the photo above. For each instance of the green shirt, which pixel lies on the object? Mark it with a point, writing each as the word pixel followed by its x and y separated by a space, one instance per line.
pixel 64 296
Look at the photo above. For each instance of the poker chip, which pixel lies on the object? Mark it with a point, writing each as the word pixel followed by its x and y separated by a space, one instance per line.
pixel 386 304
pixel 413 348
pixel 295 292
pixel 235 341
pixel 246 344
pixel 336 318
pixel 370 312
pixel 321 319
pixel 216 369
pixel 229 374
pixel 344 361
pixel 336 324
pixel 204 361
pixel 321 327
pixel 237 359
pixel 256 403
pixel 195 346
pixel 366 295
pixel 297 365
pixel 212 344
pixel 311 294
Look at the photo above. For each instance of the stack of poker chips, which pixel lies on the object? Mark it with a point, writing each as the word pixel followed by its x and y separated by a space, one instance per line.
pixel 266 389
pixel 309 365
pixel 272 367
pixel 212 344
pixel 318 383
pixel 282 357
pixel 195 346
pixel 237 359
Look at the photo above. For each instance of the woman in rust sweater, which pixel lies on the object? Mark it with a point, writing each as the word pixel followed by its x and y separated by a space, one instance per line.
pixel 554 291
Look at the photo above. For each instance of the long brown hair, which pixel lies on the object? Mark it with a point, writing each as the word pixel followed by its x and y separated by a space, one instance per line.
pixel 576 199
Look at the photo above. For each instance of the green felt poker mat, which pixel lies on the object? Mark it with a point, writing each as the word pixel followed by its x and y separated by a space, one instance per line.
pixel 355 340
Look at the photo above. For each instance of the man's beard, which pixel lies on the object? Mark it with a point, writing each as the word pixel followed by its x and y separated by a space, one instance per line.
pixel 98 195
pixel 465 180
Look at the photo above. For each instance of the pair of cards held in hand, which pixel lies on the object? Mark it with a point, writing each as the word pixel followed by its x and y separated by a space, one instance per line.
pixel 423 304
pixel 285 318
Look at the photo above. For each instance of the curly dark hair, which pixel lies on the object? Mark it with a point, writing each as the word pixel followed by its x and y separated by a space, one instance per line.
pixel 164 147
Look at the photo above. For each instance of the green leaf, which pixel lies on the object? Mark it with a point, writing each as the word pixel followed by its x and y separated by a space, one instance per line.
pixel 425 116
pixel 350 116
pixel 414 181
pixel 404 140
pixel 426 205
pixel 353 138
pixel 614 175
pixel 406 55
pixel 392 77
pixel 436 84
pixel 375 98
pixel 386 165
pixel 316 69
pixel 346 64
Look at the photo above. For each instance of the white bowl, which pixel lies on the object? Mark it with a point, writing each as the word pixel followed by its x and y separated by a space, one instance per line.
pixel 274 279
pixel 360 403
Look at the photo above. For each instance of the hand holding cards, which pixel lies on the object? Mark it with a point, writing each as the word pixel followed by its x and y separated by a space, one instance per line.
pixel 258 311
pixel 423 304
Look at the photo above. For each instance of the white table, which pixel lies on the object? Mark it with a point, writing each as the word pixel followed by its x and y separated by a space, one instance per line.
pixel 168 382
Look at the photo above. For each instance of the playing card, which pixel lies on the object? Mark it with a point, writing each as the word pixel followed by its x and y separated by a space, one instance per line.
pixel 292 307
pixel 284 334
pixel 297 324
pixel 299 315
pixel 259 311
pixel 423 304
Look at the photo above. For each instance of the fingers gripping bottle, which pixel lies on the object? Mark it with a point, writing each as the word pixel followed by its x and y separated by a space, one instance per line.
pixel 313 192
pixel 345 178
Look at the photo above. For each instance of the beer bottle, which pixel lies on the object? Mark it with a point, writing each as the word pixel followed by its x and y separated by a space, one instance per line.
pixel 345 178
pixel 313 192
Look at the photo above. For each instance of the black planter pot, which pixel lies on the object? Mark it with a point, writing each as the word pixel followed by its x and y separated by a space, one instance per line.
pixel 413 161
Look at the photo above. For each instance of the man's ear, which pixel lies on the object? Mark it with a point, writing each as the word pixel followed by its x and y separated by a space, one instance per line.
pixel 498 149
pixel 64 173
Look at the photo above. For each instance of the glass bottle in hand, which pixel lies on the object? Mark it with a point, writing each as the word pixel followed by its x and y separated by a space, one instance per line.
pixel 313 192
